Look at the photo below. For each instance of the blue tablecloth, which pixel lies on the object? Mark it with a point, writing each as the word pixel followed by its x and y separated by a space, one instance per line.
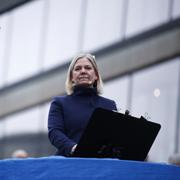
pixel 58 168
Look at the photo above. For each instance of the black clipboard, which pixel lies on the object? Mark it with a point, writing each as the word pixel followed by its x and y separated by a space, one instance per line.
pixel 111 134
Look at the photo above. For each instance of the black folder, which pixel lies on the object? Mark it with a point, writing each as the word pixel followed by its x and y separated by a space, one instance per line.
pixel 111 134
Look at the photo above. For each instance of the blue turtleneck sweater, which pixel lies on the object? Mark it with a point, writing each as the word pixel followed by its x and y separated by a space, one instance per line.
pixel 69 115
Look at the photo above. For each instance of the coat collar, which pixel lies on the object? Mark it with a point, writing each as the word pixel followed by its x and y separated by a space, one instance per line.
pixel 80 90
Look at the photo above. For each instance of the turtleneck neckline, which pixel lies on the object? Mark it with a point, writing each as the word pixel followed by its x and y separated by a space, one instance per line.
pixel 80 90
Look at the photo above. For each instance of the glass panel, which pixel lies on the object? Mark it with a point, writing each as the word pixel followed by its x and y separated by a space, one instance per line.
pixel 3 43
pixel 2 128
pixel 63 31
pixel 28 121
pixel 176 8
pixel 103 23
pixel 155 92
pixel 44 116
pixel 143 15
pixel 26 33
pixel 117 90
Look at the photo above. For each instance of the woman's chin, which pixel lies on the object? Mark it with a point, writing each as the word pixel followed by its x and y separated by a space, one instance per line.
pixel 85 84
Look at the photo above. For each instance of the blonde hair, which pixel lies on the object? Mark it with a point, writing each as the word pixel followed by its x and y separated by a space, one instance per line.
pixel 69 84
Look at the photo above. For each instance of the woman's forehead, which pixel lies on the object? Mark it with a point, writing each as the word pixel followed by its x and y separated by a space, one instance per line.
pixel 83 61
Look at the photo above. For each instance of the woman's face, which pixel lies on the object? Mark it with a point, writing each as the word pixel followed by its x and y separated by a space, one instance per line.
pixel 83 73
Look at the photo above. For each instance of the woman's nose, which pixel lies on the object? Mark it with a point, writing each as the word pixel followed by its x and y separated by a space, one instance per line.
pixel 83 70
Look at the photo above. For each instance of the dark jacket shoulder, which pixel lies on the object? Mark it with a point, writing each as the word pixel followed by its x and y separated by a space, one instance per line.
pixel 111 103
pixel 59 99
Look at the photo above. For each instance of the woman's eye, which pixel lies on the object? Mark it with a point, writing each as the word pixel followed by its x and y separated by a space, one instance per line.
pixel 77 68
pixel 88 67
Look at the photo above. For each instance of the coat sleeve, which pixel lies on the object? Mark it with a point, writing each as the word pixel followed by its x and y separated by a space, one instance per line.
pixel 56 129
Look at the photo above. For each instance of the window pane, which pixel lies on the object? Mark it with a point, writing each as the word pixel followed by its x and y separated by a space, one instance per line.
pixel 143 15
pixel 103 23
pixel 176 8
pixel 117 90
pixel 44 116
pixel 26 32
pixel 2 128
pixel 25 122
pixel 155 93
pixel 3 42
pixel 63 31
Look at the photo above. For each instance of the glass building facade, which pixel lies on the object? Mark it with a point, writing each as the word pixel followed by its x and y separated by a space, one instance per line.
pixel 43 34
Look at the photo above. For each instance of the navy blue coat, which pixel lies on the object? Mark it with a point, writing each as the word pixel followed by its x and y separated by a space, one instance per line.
pixel 69 115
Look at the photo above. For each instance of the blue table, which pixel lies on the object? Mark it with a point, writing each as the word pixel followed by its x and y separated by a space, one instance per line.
pixel 58 168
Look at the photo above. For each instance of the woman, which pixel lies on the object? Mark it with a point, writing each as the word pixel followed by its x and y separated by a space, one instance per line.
pixel 69 114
